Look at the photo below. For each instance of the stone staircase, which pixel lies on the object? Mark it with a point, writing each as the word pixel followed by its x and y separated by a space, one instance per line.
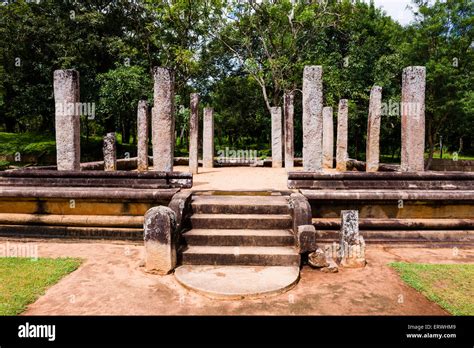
pixel 240 230
pixel 239 245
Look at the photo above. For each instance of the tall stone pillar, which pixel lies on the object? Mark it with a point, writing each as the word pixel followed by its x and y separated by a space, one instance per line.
pixel 67 119
pixel 110 152
pixel 142 136
pixel 312 118
pixel 288 107
pixel 413 119
pixel 341 143
pixel 277 161
pixel 328 138
pixel 194 134
pixel 373 130
pixel 208 138
pixel 162 127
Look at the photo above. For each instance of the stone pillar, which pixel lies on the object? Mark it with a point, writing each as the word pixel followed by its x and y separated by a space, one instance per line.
pixel 288 111
pixel 67 119
pixel 341 143
pixel 277 161
pixel 160 240
pixel 110 153
pixel 142 136
pixel 162 127
pixel 312 118
pixel 208 138
pixel 352 245
pixel 413 119
pixel 328 138
pixel 194 134
pixel 372 152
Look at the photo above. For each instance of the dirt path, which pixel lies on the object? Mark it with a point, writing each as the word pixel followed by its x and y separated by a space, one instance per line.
pixel 111 282
pixel 239 178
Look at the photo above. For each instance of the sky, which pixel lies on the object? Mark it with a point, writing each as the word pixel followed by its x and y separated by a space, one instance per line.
pixel 396 9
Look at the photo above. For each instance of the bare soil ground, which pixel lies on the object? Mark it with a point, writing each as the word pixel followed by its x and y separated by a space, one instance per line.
pixel 111 282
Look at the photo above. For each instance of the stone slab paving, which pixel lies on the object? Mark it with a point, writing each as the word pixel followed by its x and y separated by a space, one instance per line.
pixel 111 282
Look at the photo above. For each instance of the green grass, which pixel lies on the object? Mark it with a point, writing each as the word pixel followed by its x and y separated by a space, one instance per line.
pixel 23 280
pixel 26 143
pixel 450 286
pixel 447 155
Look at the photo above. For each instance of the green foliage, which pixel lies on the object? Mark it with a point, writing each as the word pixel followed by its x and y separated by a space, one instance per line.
pixel 120 89
pixel 240 56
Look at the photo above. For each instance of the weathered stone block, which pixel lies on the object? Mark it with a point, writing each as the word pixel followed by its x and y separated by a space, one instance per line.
pixel 194 134
pixel 277 161
pixel 67 119
pixel 328 138
pixel 160 240
pixel 288 111
pixel 312 118
pixel 110 152
pixel 352 244
pixel 306 239
pixel 142 136
pixel 318 259
pixel 163 123
pixel 373 130
pixel 208 138
pixel 413 119
pixel 300 211
pixel 331 268
pixel 342 128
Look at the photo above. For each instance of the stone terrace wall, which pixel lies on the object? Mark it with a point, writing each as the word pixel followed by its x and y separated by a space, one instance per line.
pixel 446 165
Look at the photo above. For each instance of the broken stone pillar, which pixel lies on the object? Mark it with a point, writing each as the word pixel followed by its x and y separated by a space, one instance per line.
pixel 67 119
pixel 352 244
pixel 328 138
pixel 208 138
pixel 373 130
pixel 312 118
pixel 341 142
pixel 288 111
pixel 162 124
pixel 142 136
pixel 413 119
pixel 194 134
pixel 160 240
pixel 277 161
pixel 110 152
pixel 323 261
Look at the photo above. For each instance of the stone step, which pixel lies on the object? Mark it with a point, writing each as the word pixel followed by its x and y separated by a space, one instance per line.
pixel 248 256
pixel 241 221
pixel 237 282
pixel 240 205
pixel 239 237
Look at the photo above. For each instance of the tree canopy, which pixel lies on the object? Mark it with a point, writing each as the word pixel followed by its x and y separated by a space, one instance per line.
pixel 241 56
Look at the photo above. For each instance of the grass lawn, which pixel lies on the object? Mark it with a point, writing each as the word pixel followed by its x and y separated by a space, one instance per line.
pixel 450 286
pixel 23 280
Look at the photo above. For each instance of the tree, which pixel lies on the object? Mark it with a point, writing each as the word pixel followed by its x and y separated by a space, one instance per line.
pixel 119 93
pixel 441 39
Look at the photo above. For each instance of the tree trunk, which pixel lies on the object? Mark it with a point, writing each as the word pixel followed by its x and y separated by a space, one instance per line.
pixel 125 132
